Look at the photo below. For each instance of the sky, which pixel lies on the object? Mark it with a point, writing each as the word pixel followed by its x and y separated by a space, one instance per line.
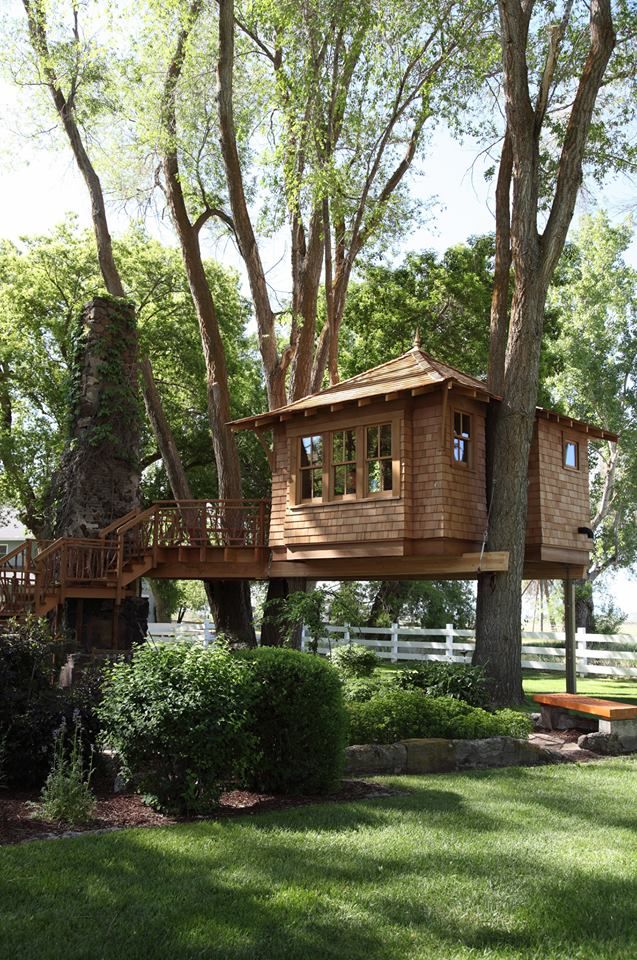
pixel 39 186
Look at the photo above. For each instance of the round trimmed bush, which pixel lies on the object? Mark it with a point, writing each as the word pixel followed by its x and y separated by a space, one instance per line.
pixel 355 660
pixel 401 714
pixel 179 719
pixel 297 719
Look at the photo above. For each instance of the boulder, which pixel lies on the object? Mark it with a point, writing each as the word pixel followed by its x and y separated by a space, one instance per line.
pixel 368 758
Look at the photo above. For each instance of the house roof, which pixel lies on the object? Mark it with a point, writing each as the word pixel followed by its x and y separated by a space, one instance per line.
pixel 414 371
pixel 411 374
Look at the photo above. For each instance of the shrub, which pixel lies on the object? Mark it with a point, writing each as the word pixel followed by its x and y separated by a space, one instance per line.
pixel 401 714
pixel 32 707
pixel 298 720
pixel 438 679
pixel 178 718
pixel 360 689
pixel 355 660
pixel 67 796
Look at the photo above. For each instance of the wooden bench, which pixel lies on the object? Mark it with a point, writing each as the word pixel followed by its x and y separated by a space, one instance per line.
pixel 612 717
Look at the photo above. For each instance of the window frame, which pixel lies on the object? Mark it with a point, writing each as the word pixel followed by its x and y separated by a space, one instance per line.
pixel 566 440
pixel 311 469
pixel 469 441
pixel 4 550
pixel 360 431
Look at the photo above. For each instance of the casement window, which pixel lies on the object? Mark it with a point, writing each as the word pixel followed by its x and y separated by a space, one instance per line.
pixel 343 472
pixel 352 464
pixel 570 454
pixel 462 440
pixel 378 459
pixel 311 468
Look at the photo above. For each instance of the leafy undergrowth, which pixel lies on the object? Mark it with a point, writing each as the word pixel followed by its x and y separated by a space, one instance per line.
pixel 518 863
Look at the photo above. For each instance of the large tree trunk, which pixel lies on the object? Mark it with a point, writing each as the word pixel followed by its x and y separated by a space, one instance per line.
pixel 98 477
pixel 499 602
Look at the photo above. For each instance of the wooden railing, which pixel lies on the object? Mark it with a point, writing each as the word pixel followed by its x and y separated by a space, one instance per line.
pixel 194 523
pixel 68 562
pixel 17 577
pixel 36 573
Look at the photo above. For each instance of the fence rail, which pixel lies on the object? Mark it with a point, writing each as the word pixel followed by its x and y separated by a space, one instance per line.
pixel 597 654
pixel 540 651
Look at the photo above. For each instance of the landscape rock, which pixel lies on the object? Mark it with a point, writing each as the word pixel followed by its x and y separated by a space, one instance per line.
pixel 496 752
pixel 376 758
pixel 606 744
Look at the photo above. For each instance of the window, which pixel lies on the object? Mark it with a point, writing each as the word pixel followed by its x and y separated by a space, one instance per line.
pixel 571 454
pixel 311 468
pixel 349 464
pixel 4 549
pixel 378 467
pixel 461 437
pixel 343 478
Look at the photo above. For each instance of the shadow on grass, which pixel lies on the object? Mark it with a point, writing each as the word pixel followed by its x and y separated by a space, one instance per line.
pixel 433 873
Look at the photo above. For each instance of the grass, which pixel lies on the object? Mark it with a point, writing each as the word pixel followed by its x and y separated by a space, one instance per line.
pixel 521 863
pixel 550 681
pixel 607 688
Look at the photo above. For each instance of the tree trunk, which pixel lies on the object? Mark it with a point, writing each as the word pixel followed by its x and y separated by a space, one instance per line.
pixel 584 605
pixel 389 600
pixel 99 473
pixel 499 602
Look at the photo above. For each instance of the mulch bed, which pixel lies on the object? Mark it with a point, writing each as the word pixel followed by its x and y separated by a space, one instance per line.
pixel 117 811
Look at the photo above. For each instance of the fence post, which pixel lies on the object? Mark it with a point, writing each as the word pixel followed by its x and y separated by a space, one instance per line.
pixel 582 662
pixel 303 638
pixel 346 634
pixel 449 641
pixel 394 642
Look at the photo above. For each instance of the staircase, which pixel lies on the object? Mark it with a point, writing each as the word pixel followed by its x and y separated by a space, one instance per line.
pixel 170 539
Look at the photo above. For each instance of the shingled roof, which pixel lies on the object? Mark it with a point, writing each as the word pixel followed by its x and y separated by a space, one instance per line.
pixel 413 373
pixel 413 370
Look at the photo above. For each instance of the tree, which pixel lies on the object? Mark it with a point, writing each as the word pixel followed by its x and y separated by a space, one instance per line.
pixel 44 281
pixel 594 359
pixel 445 299
pixel 528 186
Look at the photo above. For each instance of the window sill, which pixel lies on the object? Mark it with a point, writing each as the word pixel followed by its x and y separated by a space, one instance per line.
pixel 343 503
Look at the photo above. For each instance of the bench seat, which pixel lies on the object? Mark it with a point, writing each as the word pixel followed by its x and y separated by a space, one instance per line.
pixel 606 709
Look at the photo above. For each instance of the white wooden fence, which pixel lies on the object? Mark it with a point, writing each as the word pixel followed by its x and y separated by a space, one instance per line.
pixel 606 655
pixel 609 655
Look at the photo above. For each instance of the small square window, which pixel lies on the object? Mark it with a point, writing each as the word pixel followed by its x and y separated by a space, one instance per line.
pixel 571 454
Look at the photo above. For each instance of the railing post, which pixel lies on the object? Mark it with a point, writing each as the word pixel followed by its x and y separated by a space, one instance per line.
pixel 347 638
pixel 261 534
pixel 394 643
pixel 581 660
pixel 303 638
pixel 208 634
pixel 449 642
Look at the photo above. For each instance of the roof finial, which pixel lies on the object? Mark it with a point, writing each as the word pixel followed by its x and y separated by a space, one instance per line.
pixel 417 338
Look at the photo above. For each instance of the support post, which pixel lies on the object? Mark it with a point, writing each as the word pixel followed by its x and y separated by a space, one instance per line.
pixel 569 636
pixel 582 660
pixel 394 643
pixel 449 642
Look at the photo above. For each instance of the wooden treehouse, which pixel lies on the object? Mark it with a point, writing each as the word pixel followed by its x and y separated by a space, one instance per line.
pixel 384 476
pixel 380 476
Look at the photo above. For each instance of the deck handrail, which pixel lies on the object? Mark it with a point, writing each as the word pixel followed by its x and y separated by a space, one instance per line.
pixel 117 523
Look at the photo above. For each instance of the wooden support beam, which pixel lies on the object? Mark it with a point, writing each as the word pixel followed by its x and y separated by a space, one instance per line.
pixel 443 419
pixel 569 631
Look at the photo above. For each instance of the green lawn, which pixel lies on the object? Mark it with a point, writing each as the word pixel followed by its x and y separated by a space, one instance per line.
pixel 520 863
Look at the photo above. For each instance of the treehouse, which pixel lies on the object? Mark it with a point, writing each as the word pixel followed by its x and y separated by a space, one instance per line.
pixel 384 476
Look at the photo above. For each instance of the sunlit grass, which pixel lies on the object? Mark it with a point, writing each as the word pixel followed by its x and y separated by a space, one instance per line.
pixel 520 863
